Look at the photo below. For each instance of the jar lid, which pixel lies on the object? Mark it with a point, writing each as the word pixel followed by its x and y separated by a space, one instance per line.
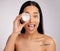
pixel 25 16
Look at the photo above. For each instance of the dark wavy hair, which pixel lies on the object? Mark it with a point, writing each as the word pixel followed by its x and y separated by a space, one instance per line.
pixel 29 3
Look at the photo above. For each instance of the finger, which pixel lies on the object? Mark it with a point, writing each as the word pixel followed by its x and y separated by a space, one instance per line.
pixel 24 23
pixel 18 17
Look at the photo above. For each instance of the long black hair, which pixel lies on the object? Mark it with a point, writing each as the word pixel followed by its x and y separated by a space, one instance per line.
pixel 29 3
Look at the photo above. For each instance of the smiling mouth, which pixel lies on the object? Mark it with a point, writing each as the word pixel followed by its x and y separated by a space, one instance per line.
pixel 31 27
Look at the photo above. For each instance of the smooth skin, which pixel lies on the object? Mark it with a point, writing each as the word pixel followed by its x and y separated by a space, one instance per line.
pixel 31 40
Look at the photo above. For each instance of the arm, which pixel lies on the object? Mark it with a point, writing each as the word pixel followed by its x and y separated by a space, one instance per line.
pixel 11 42
pixel 17 27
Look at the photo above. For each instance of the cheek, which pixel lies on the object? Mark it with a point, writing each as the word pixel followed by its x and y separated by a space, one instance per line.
pixel 37 20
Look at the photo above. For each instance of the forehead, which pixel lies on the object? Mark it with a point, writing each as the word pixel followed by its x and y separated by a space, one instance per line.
pixel 31 9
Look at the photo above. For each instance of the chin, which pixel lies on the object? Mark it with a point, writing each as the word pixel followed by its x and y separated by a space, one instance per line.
pixel 31 32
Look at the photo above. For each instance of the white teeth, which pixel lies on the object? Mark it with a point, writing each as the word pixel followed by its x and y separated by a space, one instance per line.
pixel 31 25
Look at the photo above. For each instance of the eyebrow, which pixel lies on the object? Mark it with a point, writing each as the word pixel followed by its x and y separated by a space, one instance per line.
pixel 35 12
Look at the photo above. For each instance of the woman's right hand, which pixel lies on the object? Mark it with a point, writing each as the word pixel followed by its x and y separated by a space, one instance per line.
pixel 17 26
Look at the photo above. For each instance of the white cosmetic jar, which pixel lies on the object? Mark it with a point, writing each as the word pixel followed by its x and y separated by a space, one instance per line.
pixel 25 17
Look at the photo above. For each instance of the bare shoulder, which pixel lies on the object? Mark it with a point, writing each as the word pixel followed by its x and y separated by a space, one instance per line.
pixel 49 43
pixel 19 38
pixel 49 39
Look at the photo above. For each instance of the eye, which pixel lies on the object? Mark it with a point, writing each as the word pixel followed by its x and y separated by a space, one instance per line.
pixel 35 16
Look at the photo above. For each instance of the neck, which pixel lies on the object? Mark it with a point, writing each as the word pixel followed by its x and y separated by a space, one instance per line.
pixel 31 36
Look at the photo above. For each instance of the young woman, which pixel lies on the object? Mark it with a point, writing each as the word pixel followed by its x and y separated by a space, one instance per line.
pixel 29 36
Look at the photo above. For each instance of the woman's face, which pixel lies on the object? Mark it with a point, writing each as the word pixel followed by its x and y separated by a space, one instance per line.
pixel 33 23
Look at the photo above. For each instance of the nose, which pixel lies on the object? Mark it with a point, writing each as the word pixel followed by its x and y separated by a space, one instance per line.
pixel 31 19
